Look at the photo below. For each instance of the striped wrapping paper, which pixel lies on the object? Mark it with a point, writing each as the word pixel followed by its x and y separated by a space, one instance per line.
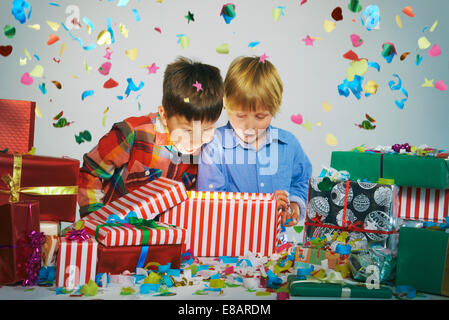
pixel 77 262
pixel 227 224
pixel 423 204
pixel 130 235
pixel 147 201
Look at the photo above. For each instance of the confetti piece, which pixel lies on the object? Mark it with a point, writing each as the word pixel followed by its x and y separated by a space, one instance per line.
pixel 61 51
pixel 296 118
pixel 27 53
pixel 105 68
pixel 428 83
pixel 356 40
pixel 388 51
pixel 123 30
pixel 158 29
pixel 83 136
pixel 253 44
pixel 104 37
pixel 331 140
pixel 223 48
pixel 371 17
pixel 371 87
pixel 111 83
pixel 122 3
pixel 277 12
pixel 399 21
pixel 423 43
pixel 53 25
pixel 87 93
pixel 186 100
pixel 108 54
pixel 263 293
pixel 22 62
pixel 152 69
pixel 408 11
pixel 38 112
pixel 434 51
pixel 404 55
pixel 329 26
pixel 183 40
pixel 434 25
pixel 337 14
pixel 398 86
pixel 6 50
pixel 132 87
pixel 198 86
pixel 307 125
pixel 90 25
pixel 9 31
pixel 87 68
pixel 354 86
pixel 308 41
pixel 127 291
pixel 37 71
pixel 228 12
pixel 61 122
pixel 18 10
pixel 34 26
pixel 440 85
pixel 356 68
pixel 263 58
pixel 57 84
pixel 418 59
pixel 89 47
pixel 298 229
pixel 189 17
pixel 26 79
pixel 326 106
pixel 52 39
pixel 136 14
pixel 354 6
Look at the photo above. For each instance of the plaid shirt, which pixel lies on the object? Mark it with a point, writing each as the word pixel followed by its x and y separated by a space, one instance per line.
pixel 135 151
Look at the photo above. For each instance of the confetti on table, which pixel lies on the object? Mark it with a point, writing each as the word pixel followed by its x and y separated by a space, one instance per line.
pixel 296 118
pixel 428 83
pixel 86 94
pixel 331 140
pixel 440 85
pixel 434 51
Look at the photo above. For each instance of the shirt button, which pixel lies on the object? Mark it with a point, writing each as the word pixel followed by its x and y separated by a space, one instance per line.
pixel 211 186
pixel 262 184
pixel 147 173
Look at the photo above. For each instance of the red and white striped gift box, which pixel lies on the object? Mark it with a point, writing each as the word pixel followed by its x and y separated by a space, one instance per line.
pixel 423 204
pixel 227 224
pixel 130 235
pixel 77 262
pixel 147 201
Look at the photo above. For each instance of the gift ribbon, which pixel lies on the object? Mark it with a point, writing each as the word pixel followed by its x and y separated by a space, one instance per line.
pixel 77 235
pixel 33 264
pixel 14 188
pixel 332 277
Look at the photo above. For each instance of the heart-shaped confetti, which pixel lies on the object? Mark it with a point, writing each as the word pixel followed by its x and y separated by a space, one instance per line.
pixel 434 51
pixel 26 79
pixel 5 50
pixel 356 40
pixel 296 118
pixel 337 14
pixel 9 31
pixel 440 85
pixel 104 68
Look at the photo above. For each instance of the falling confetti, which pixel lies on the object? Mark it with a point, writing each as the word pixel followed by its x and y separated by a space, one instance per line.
pixel 398 86
pixel 331 140
pixel 5 50
pixel 367 124
pixel 228 12
pixel 408 11
pixel 326 106
pixel 9 31
pixel 189 17
pixel 111 83
pixel 337 14
pixel 61 121
pixel 223 48
pixel 57 84
pixel 83 136
pixel 440 85
pixel 86 93
pixel 297 118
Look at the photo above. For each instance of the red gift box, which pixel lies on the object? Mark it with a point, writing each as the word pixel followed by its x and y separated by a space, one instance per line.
pixel 77 262
pixel 16 125
pixel 423 204
pixel 115 260
pixel 52 181
pixel 17 220
pixel 228 223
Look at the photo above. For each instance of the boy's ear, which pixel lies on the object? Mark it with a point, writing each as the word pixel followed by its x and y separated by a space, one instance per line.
pixel 163 115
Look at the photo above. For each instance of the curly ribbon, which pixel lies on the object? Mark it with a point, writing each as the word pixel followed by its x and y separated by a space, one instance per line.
pixel 34 261
pixel 77 235
pixel 398 147
pixel 14 190
pixel 398 86
pixel 371 17
pixel 355 86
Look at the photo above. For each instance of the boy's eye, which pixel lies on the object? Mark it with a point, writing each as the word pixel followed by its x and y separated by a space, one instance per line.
pixel 241 115
pixel 261 116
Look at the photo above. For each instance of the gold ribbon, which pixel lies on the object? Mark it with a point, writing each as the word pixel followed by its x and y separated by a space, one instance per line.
pixel 14 189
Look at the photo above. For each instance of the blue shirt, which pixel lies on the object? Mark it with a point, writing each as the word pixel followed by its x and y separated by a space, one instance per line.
pixel 228 164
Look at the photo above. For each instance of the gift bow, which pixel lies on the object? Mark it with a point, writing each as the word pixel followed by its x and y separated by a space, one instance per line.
pixel 398 147
pixel 14 190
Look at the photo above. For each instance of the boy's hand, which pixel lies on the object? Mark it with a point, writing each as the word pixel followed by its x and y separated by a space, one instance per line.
pixel 284 205
pixel 282 200
pixel 294 216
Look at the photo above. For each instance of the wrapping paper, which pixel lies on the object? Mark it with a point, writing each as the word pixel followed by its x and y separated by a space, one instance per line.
pixel 147 201
pixel 316 255
pixel 56 179
pixel 16 221
pixel 77 262
pixel 115 260
pixel 406 170
pixel 307 288
pixel 17 125
pixel 49 250
pixel 423 204
pixel 129 235
pixel 423 260
pixel 227 223
pixel 367 211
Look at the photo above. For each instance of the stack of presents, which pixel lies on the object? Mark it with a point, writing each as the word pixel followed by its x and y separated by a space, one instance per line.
pixel 376 224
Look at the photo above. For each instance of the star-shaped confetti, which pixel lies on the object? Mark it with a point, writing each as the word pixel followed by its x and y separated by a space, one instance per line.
pixel 428 83
pixel 198 86
pixel 152 69
pixel 308 41
pixel 263 57
pixel 189 17
pixel 108 54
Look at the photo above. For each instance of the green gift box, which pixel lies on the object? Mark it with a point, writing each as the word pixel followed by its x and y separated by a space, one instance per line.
pixel 313 288
pixel 406 170
pixel 423 260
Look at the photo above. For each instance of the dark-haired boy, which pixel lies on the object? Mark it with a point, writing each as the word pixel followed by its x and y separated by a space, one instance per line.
pixel 140 149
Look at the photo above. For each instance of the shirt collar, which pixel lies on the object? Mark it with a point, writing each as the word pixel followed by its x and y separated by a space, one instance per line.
pixel 230 139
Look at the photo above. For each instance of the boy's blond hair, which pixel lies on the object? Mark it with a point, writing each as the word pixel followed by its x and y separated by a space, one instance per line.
pixel 251 85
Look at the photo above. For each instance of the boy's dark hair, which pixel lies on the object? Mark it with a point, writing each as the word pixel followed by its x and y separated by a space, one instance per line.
pixel 181 97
